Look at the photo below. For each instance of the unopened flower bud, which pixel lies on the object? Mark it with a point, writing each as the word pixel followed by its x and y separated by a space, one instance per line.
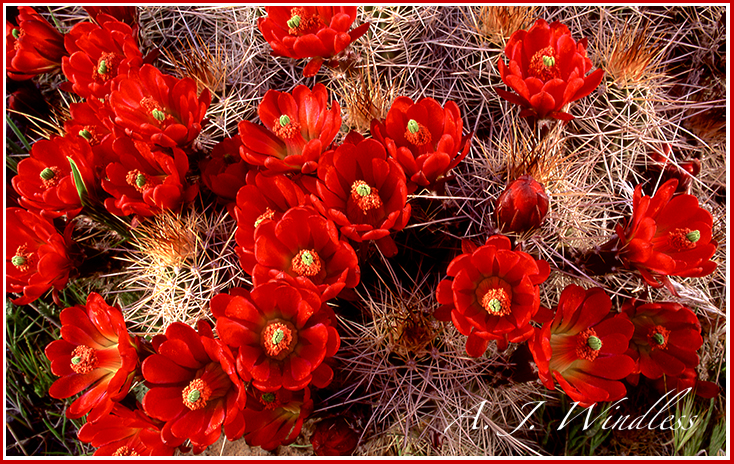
pixel 522 206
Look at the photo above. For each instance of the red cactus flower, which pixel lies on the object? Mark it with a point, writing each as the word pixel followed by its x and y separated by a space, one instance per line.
pixel 92 120
pixel 299 128
pixel 37 256
pixel 547 69
pixel 334 437
pixel 424 138
pixel 687 379
pixel 224 172
pixel 282 335
pixel 583 347
pixel 667 236
pixel 275 418
pixel 304 245
pixel 98 54
pixel 158 108
pixel 493 295
pixel 522 206
pixel 32 47
pixel 126 14
pixel 667 336
pixel 194 387
pixel 125 432
pixel 663 169
pixel 45 182
pixel 146 179
pixel 95 351
pixel 318 32
pixel 263 199
pixel 363 191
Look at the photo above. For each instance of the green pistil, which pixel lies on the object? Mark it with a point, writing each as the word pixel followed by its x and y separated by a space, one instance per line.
pixel 18 261
pixel 159 115
pixel 47 174
pixel 140 181
pixel 284 120
pixel 594 343
pixel 495 305
pixel 363 190
pixel 86 134
pixel 102 68
pixel 413 126
pixel 294 22
pixel 194 396
pixel 693 236
pixel 76 360
pixel 278 336
pixel 659 339
pixel 549 61
pixel 16 32
pixel 268 397
pixel 306 258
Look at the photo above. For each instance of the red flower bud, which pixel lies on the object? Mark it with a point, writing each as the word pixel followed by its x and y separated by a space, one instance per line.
pixel 334 437
pixel 522 206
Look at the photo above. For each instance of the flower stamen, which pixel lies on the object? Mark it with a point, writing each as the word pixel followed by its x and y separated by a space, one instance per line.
pixel 125 451
pixel 196 394
pixel 496 302
pixel 267 215
pixel 83 359
pixel 278 339
pixel 588 345
pixel 301 23
pixel 49 176
pixel 22 260
pixel 306 263
pixel 364 196
pixel 544 65
pixel 658 337
pixel 684 239
pixel 417 134
pixel 137 179
pixel 286 128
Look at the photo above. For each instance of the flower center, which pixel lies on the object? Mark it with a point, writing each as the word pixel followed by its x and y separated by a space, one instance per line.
pixel 125 451
pixel 16 32
pixel 285 128
pixel 543 65
pixel 267 215
pixel 588 345
pixel 306 263
pixel 152 107
pixel 137 179
pixel 684 239
pixel 496 302
pixel 22 259
pixel 83 359
pixel 196 394
pixel 417 134
pixel 278 339
pixel 102 67
pixel 86 134
pixel 364 196
pixel 302 23
pixel 658 337
pixel 49 176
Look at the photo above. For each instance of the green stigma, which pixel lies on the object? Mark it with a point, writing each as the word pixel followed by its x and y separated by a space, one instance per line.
pixel 363 190
pixel 140 180
pixel 16 32
pixel 294 22
pixel 47 174
pixel 413 126
pixel 159 115
pixel 549 61
pixel 495 305
pixel 194 396
pixel 284 120
pixel 268 397
pixel 659 339
pixel 18 261
pixel 76 360
pixel 307 258
pixel 693 236
pixel 278 336
pixel 594 343
pixel 102 68
pixel 86 134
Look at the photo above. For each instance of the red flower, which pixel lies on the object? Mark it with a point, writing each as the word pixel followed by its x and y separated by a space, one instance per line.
pixel 275 418
pixel 125 433
pixel 299 128
pixel 194 387
pixel 282 335
pixel 98 54
pixel 126 14
pixel 662 168
pixel 33 47
pixel 95 351
pixel 37 256
pixel 44 181
pixel 363 192
pixel 424 138
pixel 547 69
pixel 310 31
pixel 667 237
pixel 493 295
pixel 263 199
pixel 687 379
pixel 303 245
pixel 667 336
pixel 158 108
pixel 92 120
pixel 224 172
pixel 522 206
pixel 334 437
pixel 583 347
pixel 146 179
